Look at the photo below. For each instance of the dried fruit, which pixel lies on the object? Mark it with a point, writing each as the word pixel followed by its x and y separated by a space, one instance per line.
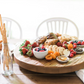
pixel 48 57
pixel 57 54
pixel 53 56
pixel 50 51
pixel 70 46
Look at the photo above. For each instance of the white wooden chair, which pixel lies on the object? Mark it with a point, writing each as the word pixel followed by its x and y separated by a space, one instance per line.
pixel 12 27
pixel 57 25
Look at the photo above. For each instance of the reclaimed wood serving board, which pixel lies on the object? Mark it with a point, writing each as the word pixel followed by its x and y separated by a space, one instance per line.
pixel 50 67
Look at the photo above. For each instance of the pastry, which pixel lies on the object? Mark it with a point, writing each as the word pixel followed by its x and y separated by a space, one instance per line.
pixel 50 42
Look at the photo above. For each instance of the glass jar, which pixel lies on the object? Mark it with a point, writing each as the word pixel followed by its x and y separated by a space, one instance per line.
pixel 6 60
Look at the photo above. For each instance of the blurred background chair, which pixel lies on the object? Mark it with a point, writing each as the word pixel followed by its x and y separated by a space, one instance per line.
pixel 57 25
pixel 12 27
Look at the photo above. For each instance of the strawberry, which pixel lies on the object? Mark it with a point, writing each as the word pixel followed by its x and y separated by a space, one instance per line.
pixel 74 52
pixel 79 42
pixel 36 49
pixel 42 47
pixel 71 55
pixel 74 43
pixel 71 50
pixel 30 53
pixel 23 46
pixel 35 45
pixel 29 47
pixel 27 42
pixel 75 46
pixel 65 46
pixel 71 42
pixel 64 42
pixel 24 51
pixel 59 44
pixel 82 43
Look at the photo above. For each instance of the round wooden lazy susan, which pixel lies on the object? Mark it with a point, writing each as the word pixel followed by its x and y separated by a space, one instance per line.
pixel 50 67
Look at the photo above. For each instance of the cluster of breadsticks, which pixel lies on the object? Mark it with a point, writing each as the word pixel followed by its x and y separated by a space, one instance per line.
pixel 6 57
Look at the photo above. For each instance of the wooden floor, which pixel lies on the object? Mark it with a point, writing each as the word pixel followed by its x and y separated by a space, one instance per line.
pixel 22 76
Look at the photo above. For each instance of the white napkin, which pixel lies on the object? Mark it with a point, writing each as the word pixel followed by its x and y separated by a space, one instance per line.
pixel 80 74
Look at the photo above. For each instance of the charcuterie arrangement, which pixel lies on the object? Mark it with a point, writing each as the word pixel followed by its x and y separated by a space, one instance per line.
pixel 53 47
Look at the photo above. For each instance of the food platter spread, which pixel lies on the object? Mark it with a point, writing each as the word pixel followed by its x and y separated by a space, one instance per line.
pixel 53 56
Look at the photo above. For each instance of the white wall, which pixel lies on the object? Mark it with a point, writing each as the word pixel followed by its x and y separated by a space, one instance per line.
pixel 30 13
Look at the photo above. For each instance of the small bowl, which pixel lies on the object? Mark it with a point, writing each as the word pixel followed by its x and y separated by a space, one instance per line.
pixel 40 55
pixel 62 60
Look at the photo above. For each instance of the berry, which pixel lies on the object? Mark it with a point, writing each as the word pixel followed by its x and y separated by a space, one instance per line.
pixel 59 44
pixel 71 50
pixel 36 49
pixel 64 42
pixel 65 46
pixel 71 42
pixel 74 43
pixel 71 55
pixel 27 42
pixel 24 51
pixel 75 46
pixel 42 47
pixel 82 43
pixel 41 50
pixel 35 45
pixel 30 53
pixel 79 42
pixel 74 52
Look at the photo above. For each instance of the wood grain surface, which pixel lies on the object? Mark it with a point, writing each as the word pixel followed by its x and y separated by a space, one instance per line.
pixel 24 76
pixel 51 67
